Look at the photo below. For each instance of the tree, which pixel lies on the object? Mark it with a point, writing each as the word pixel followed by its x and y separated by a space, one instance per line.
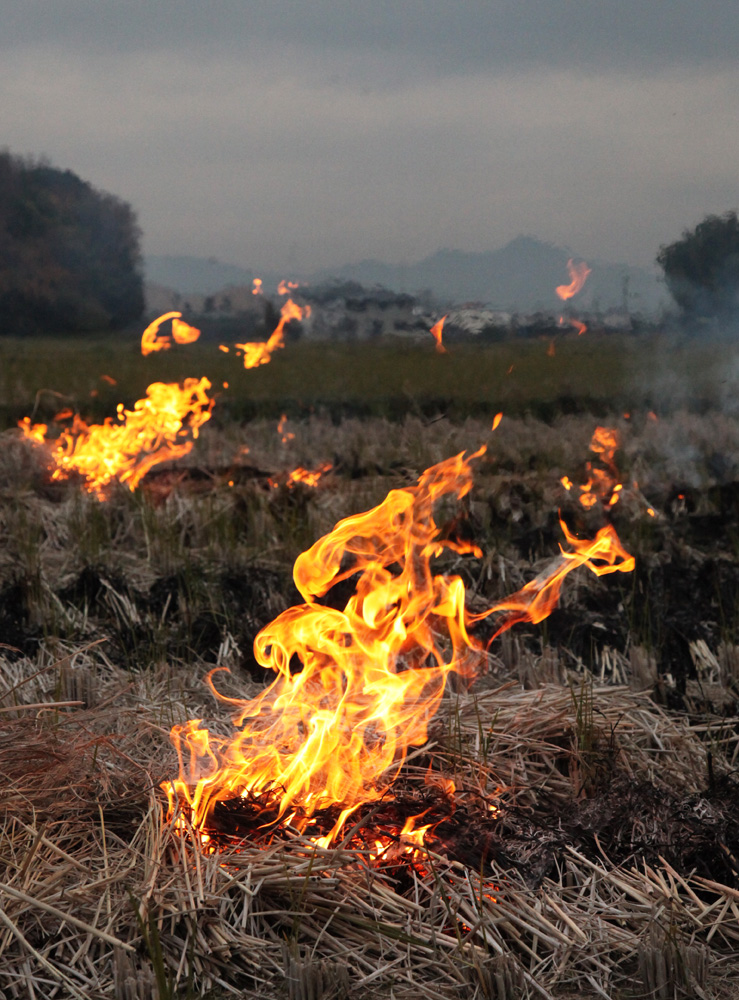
pixel 69 254
pixel 702 269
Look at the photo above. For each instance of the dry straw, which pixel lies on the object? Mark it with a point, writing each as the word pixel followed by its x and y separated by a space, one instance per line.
pixel 101 896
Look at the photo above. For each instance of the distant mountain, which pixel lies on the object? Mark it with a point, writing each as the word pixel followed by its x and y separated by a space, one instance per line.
pixel 519 276
pixel 195 275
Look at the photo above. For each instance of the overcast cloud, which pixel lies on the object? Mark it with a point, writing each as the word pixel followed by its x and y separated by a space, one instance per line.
pixel 298 135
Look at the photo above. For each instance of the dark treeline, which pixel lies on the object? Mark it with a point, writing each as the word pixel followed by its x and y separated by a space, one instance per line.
pixel 69 254
pixel 702 270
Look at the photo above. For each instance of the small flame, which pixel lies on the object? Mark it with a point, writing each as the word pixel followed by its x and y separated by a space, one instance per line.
pixel 285 287
pixel 152 340
pixel 336 732
pixel 109 379
pixel 496 420
pixel 602 484
pixel 285 436
pixel 260 352
pixel 578 276
pixel 33 432
pixel 257 287
pixel 161 427
pixel 436 331
pixel 308 477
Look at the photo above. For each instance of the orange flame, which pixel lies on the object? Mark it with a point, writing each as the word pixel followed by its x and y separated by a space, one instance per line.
pixel 161 427
pixel 257 287
pixel 336 733
pixel 285 287
pixel 308 477
pixel 260 352
pixel 183 333
pixel 578 276
pixel 436 331
pixel 284 435
pixel 602 481
pixel 496 420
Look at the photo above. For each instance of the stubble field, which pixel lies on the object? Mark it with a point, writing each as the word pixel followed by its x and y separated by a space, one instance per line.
pixel 590 844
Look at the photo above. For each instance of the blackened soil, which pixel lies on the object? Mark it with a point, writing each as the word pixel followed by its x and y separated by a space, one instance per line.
pixel 626 824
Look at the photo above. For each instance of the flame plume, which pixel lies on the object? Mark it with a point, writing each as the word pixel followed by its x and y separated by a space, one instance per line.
pixel 153 340
pixel 159 428
pixel 260 352
pixel 578 276
pixel 336 732
pixel 436 332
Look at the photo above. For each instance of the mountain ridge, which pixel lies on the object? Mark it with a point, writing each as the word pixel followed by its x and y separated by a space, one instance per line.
pixel 521 275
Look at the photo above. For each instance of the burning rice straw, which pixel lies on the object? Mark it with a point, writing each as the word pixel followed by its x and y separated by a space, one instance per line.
pixel 160 428
pixel 538 751
pixel 335 734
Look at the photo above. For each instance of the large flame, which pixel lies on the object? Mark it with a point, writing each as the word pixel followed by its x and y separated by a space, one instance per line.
pixel 152 339
pixel 356 687
pixel 260 352
pixel 578 275
pixel 159 428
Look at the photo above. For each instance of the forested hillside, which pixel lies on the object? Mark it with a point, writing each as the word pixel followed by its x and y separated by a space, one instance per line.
pixel 69 254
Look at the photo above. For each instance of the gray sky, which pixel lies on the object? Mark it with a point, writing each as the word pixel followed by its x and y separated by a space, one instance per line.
pixel 296 135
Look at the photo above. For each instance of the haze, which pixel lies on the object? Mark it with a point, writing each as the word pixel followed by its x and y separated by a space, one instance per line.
pixel 295 136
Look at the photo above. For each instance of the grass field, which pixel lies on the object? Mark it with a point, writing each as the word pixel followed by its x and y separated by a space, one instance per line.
pixel 586 374
pixel 591 845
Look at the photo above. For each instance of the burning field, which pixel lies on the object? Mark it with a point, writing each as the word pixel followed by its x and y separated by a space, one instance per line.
pixel 311 709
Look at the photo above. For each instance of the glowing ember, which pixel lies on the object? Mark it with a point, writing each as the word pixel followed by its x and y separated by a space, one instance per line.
pixel 496 420
pixel 161 427
pixel 285 287
pixel 152 339
pixel 285 436
pixel 436 331
pixel 371 677
pixel 578 276
pixel 308 477
pixel 260 352
pixel 257 287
